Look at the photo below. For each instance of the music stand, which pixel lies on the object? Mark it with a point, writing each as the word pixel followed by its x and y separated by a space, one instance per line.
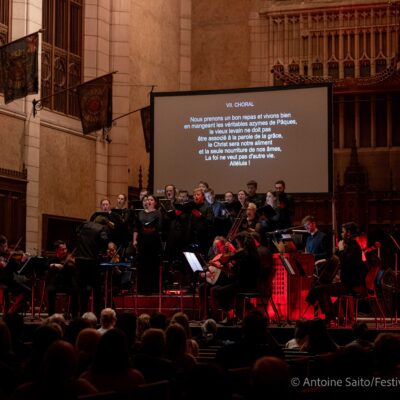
pixel 196 266
pixel 33 266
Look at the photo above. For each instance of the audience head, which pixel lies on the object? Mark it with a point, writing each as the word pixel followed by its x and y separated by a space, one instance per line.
pixel 182 319
pixel 86 343
pixel 112 353
pixel 153 342
pixel 387 351
pixel 108 318
pixel 202 377
pixel 269 374
pixel 209 328
pixel 91 318
pixel 159 320
pixel 59 364
pixel 5 340
pixel 127 322
pixel 57 319
pixel 175 340
pixel 360 330
pixel 143 323
pixel 255 327
pixel 73 328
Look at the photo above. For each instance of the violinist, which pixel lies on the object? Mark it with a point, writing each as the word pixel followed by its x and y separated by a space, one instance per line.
pixel 10 263
pixel 62 277
pixel 112 255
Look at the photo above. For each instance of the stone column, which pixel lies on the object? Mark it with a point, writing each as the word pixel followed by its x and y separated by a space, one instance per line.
pixel 26 19
pixel 185 45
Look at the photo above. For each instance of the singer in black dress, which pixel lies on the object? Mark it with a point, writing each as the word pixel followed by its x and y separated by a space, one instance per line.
pixel 147 240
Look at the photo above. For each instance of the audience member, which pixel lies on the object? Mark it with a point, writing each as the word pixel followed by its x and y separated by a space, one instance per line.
pixel 91 318
pixel 300 335
pixel 269 375
pixel 110 370
pixel 108 319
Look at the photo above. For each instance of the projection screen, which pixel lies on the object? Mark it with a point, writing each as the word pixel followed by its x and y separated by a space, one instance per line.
pixel 229 137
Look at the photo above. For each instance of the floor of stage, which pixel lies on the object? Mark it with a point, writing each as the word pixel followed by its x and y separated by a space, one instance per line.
pixel 172 303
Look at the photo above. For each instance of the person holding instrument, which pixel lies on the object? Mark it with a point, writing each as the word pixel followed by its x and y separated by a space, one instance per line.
pixel 352 273
pixel 62 277
pixel 215 275
pixel 10 263
pixel 244 268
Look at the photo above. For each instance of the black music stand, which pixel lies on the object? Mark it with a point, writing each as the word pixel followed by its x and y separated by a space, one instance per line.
pixel 34 267
pixel 195 266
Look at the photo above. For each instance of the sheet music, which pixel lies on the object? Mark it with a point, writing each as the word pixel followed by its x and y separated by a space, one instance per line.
pixel 193 261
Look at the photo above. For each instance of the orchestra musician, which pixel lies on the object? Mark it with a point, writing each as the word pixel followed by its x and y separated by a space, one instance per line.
pixel 215 275
pixel 10 263
pixel 62 276
pixel 352 273
pixel 244 268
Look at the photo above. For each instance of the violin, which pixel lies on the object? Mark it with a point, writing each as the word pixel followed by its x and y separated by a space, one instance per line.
pixel 19 256
pixel 65 258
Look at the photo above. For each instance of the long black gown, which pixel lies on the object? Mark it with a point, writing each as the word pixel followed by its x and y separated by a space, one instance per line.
pixel 148 227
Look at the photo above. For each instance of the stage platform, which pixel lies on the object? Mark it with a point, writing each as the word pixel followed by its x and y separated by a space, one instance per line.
pixel 189 304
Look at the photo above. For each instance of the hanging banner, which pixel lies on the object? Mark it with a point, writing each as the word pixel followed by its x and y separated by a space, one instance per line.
pixel 19 67
pixel 95 103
